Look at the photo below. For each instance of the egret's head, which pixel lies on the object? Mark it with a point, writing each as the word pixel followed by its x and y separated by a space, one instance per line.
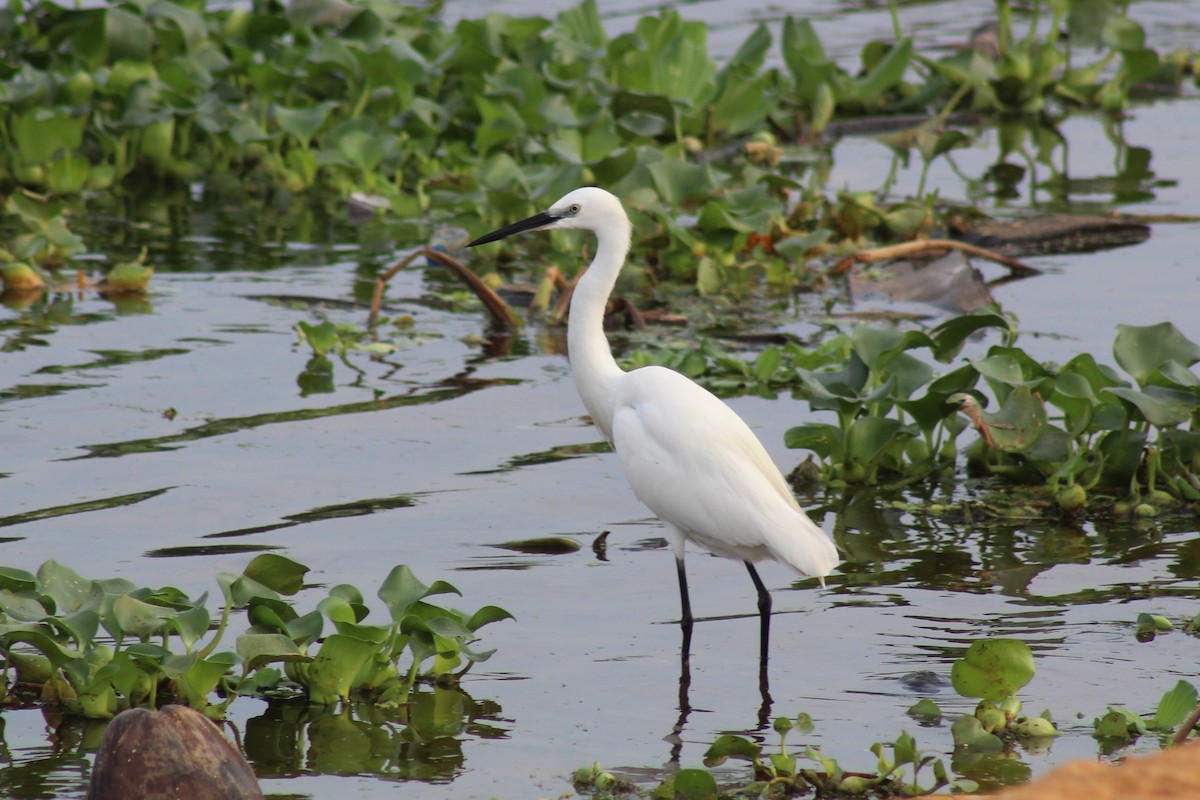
pixel 589 208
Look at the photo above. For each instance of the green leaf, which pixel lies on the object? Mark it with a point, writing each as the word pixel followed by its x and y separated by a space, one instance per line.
pixel 190 24
pixel 886 74
pixel 924 709
pixel 1123 33
pixel 931 408
pixel 57 652
pixel 332 672
pixel 378 634
pixel 581 24
pixel 646 115
pixel 1118 723
pixel 676 180
pixel 730 746
pixel 824 105
pixel 767 363
pixel 68 174
pixel 993 669
pixel 803 724
pixel 201 679
pixel 1174 706
pixel 303 123
pixel 440 622
pixel 1162 407
pixel 672 60
pixel 137 618
pixel 276 572
pixel 128 35
pixel 905 749
pixel 17 580
pixel 870 437
pixel 823 439
pixel 80 626
pixel 256 649
pixel 322 338
pixel 709 279
pixel 338 610
pixel 951 334
pixel 969 733
pixel 401 589
pixel 1139 65
pixel 191 625
pixel 246 130
pixel 1141 350
pixel 486 616
pixel 1021 419
pixel 942 143
pixel 500 123
pixel 694 784
pixel 741 106
pixel 22 607
pixel 805 58
pixel 69 591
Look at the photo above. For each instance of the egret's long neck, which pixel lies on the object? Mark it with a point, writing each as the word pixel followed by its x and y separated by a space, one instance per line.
pixel 592 365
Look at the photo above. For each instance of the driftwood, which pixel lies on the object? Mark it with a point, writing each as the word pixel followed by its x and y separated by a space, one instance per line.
pixel 498 310
pixel 1054 233
pixel 926 247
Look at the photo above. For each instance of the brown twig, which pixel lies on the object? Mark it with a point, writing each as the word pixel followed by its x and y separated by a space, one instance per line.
pixel 381 283
pixel 632 315
pixel 564 300
pixel 497 309
pixel 926 247
pixel 1185 728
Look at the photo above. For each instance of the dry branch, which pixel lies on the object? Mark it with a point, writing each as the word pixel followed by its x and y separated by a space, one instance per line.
pixel 926 247
pixel 497 309
pixel 381 283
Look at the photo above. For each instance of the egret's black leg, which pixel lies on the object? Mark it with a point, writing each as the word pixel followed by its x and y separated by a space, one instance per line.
pixel 764 611
pixel 685 620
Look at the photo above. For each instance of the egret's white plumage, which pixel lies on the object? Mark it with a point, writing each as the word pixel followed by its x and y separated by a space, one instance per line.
pixel 687 455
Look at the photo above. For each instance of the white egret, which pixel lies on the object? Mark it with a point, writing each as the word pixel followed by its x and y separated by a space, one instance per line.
pixel 686 454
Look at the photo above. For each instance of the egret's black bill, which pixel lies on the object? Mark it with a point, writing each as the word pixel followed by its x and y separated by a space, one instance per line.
pixel 536 221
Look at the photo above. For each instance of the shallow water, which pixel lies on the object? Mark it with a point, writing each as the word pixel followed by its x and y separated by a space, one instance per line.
pixel 447 448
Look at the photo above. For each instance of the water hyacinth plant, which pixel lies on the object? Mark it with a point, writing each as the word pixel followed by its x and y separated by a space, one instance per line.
pixel 1071 428
pixel 445 122
pixel 95 647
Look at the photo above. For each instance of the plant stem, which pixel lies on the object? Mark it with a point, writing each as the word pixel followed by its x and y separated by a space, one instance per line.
pixel 896 31
pixel 208 648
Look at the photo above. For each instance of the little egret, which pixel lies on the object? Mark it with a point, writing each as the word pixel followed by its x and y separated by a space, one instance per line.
pixel 686 454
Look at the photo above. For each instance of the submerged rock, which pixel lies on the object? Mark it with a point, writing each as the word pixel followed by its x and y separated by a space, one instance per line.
pixel 173 753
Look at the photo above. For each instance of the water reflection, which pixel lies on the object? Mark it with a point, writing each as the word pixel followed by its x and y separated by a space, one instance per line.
pixel 1036 153
pixel 443 390
pixel 423 741
pixel 59 767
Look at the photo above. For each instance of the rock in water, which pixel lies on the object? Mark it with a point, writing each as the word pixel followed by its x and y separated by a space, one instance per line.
pixel 173 753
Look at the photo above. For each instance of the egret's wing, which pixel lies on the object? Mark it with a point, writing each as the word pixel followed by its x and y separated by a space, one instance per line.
pixel 697 465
